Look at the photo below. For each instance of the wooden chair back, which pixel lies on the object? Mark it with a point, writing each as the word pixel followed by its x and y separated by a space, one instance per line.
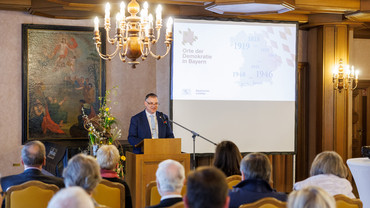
pixel 233 180
pixel 152 196
pixel 268 202
pixel 31 194
pixel 344 201
pixel 110 194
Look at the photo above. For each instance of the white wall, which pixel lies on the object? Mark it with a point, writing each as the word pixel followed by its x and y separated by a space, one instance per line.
pixel 361 57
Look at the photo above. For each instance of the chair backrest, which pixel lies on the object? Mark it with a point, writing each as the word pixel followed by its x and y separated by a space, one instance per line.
pixel 233 180
pixel 344 201
pixel 152 196
pixel 178 205
pixel 31 194
pixel 110 194
pixel 267 202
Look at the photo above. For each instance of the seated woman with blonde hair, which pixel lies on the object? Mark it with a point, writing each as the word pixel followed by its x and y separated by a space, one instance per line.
pixel 329 173
pixel 311 197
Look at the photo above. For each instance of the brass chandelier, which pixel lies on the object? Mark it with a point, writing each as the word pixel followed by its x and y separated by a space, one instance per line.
pixel 134 36
pixel 344 78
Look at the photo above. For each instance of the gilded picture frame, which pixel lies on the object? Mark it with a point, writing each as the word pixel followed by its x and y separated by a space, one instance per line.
pixel 62 79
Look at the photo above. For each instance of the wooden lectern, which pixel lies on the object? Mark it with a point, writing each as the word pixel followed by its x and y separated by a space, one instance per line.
pixel 141 168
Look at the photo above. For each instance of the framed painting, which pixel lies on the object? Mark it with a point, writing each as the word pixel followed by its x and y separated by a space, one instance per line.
pixel 63 78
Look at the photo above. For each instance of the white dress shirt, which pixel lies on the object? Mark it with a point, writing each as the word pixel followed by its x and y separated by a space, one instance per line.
pixel 150 122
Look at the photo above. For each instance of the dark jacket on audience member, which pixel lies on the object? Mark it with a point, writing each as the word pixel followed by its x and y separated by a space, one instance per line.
pixel 29 175
pixel 252 190
pixel 167 202
pixel 128 200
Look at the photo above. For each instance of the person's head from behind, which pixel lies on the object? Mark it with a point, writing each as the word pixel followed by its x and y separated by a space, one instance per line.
pixel 108 157
pixel 151 103
pixel 256 166
pixel 311 197
pixel 329 162
pixel 206 188
pixel 82 170
pixel 170 177
pixel 227 158
pixel 33 154
pixel 71 197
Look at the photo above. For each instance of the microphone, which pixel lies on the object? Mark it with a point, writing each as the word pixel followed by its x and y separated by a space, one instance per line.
pixel 161 115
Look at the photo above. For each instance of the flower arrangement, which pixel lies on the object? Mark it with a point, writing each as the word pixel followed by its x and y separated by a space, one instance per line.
pixel 102 130
pixel 119 170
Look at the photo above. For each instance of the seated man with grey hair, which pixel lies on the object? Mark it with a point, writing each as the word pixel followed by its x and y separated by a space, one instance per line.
pixel 256 174
pixel 83 171
pixel 71 197
pixel 108 158
pixel 170 180
pixel 33 158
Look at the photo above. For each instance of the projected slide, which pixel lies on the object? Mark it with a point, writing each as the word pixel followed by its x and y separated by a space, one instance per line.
pixel 233 61
pixel 234 80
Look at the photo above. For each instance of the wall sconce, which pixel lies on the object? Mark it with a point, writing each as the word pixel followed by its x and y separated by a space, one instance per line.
pixel 344 77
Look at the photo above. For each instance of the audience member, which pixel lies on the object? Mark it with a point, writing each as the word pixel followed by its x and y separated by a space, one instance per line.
pixel 170 180
pixel 71 197
pixel 311 197
pixel 256 174
pixel 227 158
pixel 1 196
pixel 33 158
pixel 108 158
pixel 329 173
pixel 206 188
pixel 83 170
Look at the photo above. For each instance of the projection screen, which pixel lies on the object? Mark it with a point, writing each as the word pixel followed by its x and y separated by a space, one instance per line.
pixel 234 80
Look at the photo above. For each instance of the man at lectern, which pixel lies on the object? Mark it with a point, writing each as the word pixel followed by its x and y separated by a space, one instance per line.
pixel 149 124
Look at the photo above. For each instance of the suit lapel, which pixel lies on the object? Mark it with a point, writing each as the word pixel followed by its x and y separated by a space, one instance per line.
pixel 161 127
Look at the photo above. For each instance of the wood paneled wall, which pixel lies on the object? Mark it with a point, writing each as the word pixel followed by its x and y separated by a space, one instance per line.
pixel 282 170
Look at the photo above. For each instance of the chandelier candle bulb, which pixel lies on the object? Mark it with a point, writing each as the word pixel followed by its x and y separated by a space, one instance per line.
pixel 357 72
pixel 147 31
pixel 107 14
pixel 169 25
pixel 122 10
pixel 150 21
pixel 158 16
pixel 145 10
pixel 144 16
pixel 96 24
pixel 118 20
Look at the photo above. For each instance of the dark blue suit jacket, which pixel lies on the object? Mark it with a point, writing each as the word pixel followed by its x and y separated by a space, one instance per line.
pixel 140 129
pixel 167 202
pixel 249 191
pixel 29 175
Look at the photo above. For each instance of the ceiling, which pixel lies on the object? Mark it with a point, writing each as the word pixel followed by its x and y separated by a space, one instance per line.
pixel 308 13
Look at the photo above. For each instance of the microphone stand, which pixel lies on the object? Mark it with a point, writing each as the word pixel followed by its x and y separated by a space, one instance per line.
pixel 194 135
